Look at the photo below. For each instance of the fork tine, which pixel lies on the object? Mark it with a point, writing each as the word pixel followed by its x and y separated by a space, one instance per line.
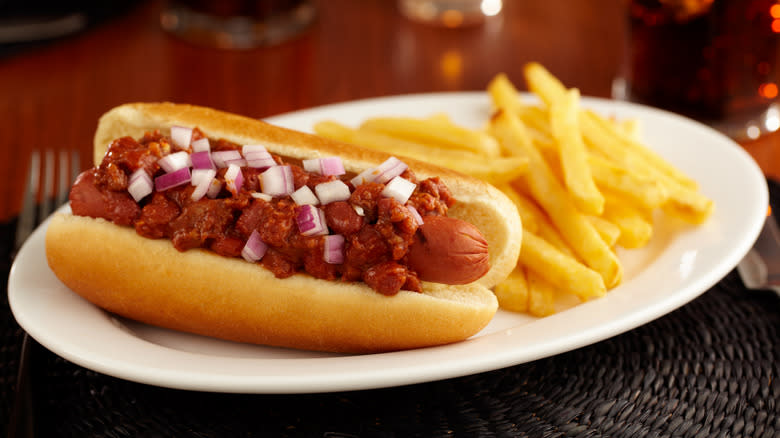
pixel 26 221
pixel 75 166
pixel 63 175
pixel 48 185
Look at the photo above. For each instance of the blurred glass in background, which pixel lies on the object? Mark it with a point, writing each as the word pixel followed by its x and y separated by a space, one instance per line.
pixel 712 60
pixel 450 13
pixel 237 24
pixel 23 23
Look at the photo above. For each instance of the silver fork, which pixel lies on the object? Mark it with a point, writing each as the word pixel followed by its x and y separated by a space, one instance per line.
pixel 48 180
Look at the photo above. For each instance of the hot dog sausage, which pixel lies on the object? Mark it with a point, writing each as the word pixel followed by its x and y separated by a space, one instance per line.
pixel 448 250
pixel 88 200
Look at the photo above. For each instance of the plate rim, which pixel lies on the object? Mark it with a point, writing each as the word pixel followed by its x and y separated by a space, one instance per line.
pixel 375 378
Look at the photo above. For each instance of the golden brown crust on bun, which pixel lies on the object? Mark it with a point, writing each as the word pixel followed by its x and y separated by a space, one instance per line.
pixel 201 292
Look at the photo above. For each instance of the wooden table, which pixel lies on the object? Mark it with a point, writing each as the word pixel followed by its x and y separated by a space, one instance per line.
pixel 51 95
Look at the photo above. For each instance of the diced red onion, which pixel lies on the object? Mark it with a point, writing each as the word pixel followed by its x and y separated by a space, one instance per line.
pixel 332 191
pixel 181 136
pixel 332 166
pixel 263 196
pixel 172 179
pixel 140 185
pixel 399 188
pixel 324 166
pixel 415 214
pixel 240 162
pixel 252 149
pixel 202 179
pixel 310 220
pixel 202 160
pixel 383 173
pixel 201 145
pixel 277 181
pixel 221 158
pixel 254 249
pixel 175 161
pixel 257 156
pixel 304 196
pixel 214 188
pixel 234 179
pixel 333 251
pixel 389 169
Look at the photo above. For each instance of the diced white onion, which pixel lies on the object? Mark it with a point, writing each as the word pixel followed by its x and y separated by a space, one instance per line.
pixel 201 145
pixel 172 179
pixel 399 188
pixel 277 181
pixel 263 196
pixel 202 179
pixel 175 161
pixel 332 191
pixel 199 175
pixel 234 179
pixel 140 185
pixel 311 165
pixel 304 196
pixel 366 176
pixel 181 136
pixel 254 249
pixel 214 188
pixel 359 210
pixel 333 250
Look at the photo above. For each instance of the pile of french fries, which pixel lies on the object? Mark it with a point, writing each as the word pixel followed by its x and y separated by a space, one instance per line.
pixel 583 183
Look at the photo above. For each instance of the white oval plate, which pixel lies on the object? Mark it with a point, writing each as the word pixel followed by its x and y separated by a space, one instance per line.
pixel 675 268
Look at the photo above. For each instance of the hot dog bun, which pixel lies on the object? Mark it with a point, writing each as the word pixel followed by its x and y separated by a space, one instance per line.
pixel 201 292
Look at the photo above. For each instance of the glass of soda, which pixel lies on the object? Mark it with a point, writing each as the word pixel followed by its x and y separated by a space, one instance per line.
pixel 715 61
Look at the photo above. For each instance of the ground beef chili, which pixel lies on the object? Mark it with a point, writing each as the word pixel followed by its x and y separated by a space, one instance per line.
pixel 377 230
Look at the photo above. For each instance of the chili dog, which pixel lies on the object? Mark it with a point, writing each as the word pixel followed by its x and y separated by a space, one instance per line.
pixel 266 243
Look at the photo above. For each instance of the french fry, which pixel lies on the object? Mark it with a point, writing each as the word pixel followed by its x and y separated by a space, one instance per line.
pixel 645 154
pixel 434 131
pixel 578 232
pixel 635 229
pixel 564 124
pixel 639 190
pixel 539 256
pixel 536 118
pixel 541 224
pixel 499 170
pixel 503 93
pixel 632 128
pixel 541 296
pixel 608 231
pixel 684 201
pixel 687 204
pixel 543 83
pixel 512 293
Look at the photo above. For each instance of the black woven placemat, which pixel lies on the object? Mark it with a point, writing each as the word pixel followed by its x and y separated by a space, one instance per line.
pixel 707 369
